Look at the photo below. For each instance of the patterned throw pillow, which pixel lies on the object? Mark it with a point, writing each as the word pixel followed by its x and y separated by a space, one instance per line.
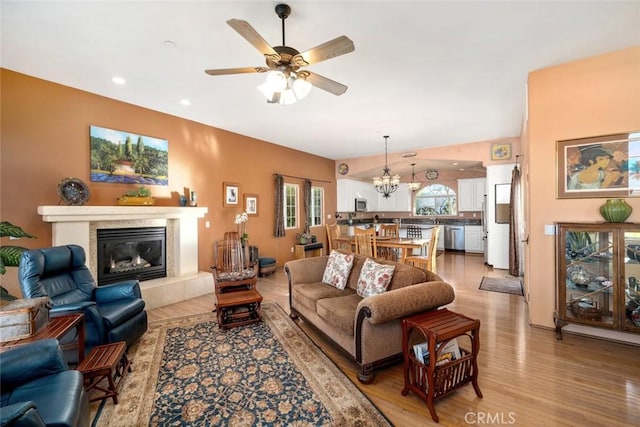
pixel 374 278
pixel 337 270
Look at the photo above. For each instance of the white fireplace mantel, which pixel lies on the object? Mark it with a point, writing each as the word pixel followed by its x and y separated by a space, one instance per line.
pixel 113 213
pixel 78 225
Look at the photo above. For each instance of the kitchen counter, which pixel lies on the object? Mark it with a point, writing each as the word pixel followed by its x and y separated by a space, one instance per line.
pixel 422 222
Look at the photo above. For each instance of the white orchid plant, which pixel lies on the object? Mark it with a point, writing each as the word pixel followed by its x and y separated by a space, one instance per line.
pixel 241 222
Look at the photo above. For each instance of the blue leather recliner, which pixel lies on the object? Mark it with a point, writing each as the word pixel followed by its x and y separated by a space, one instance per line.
pixel 39 389
pixel 112 312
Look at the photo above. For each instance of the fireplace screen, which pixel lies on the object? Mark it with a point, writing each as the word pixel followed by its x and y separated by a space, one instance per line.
pixel 131 253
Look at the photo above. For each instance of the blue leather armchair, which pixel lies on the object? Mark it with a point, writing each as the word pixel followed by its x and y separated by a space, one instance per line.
pixel 39 389
pixel 112 312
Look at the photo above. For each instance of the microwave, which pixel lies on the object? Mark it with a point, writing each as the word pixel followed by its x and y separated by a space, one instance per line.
pixel 361 205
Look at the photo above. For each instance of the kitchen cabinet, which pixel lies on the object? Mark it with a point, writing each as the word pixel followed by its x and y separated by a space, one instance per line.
pixel 398 201
pixel 473 241
pixel 471 193
pixel 350 189
pixel 598 272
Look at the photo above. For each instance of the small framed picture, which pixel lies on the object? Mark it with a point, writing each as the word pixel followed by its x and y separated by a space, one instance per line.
pixel 251 204
pixel 501 151
pixel 230 195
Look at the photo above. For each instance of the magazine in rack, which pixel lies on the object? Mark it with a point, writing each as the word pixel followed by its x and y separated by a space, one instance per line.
pixel 448 353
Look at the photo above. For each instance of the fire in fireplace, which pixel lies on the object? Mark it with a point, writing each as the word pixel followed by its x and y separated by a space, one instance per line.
pixel 131 253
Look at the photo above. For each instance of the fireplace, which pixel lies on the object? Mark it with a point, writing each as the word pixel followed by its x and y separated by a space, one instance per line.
pixel 79 225
pixel 131 253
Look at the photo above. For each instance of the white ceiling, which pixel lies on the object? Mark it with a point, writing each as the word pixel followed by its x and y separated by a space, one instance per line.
pixel 426 73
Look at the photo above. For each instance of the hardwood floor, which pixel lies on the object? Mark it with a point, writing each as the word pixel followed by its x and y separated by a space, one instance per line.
pixel 527 377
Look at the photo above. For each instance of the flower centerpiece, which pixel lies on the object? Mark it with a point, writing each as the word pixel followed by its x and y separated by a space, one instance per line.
pixel 241 223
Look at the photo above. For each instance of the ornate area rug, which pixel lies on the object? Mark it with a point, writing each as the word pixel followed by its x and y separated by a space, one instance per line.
pixel 499 284
pixel 188 372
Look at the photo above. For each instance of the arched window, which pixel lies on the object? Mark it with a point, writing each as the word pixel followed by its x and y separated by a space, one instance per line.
pixel 436 199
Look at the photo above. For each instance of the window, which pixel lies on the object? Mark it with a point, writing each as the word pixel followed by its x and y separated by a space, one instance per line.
pixel 436 199
pixel 317 206
pixel 290 206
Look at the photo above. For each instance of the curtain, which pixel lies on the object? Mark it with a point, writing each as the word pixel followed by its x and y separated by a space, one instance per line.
pixel 516 225
pixel 307 206
pixel 279 195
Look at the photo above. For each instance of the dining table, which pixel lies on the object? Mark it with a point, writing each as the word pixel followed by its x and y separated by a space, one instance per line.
pixel 405 244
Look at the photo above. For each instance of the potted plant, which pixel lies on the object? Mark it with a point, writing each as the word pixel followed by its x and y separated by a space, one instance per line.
pixel 10 255
pixel 140 196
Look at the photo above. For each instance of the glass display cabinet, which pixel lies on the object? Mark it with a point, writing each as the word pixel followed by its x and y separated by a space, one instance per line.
pixel 598 275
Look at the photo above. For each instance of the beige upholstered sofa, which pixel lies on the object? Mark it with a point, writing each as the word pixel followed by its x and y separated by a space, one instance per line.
pixel 369 329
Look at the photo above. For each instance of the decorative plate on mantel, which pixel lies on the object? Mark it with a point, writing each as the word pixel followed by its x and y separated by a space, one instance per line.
pixel 73 191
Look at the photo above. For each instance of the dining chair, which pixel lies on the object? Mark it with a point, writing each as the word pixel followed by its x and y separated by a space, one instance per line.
pixel 428 261
pixel 389 231
pixel 333 232
pixel 365 241
pixel 413 231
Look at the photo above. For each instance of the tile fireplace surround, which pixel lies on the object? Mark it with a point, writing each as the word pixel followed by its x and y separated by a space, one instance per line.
pixel 78 225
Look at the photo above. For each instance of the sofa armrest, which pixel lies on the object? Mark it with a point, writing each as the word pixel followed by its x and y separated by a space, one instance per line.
pixel 308 270
pixel 405 301
pixel 21 414
pixel 27 362
pixel 129 289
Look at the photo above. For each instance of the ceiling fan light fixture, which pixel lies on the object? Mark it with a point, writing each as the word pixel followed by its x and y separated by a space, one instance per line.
pixel 287 97
pixel 301 88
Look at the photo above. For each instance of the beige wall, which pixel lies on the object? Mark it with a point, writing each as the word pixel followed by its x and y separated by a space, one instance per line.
pixel 45 138
pixel 595 96
pixel 472 151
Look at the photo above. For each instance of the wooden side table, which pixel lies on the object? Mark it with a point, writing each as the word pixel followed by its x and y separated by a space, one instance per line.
pixel 109 362
pixel 57 328
pixel 238 308
pixel 432 381
pixel 309 250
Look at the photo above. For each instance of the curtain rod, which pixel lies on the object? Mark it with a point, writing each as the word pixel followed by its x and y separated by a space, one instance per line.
pixel 301 177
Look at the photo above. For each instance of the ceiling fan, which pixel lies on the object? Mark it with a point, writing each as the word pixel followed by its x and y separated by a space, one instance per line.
pixel 286 82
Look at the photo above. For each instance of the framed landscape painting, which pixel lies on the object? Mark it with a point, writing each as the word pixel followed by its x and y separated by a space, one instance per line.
pixel 124 157
pixel 602 166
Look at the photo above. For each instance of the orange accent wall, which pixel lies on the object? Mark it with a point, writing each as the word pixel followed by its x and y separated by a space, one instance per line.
pixel 595 96
pixel 45 138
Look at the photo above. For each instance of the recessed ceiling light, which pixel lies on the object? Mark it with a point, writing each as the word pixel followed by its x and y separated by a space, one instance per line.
pixel 185 102
pixel 409 154
pixel 455 163
pixel 118 80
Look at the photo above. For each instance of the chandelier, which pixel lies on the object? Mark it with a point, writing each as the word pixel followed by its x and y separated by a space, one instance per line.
pixel 386 184
pixel 284 86
pixel 413 185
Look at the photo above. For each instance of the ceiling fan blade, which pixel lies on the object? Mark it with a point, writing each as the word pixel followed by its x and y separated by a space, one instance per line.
pixel 251 35
pixel 244 70
pixel 336 47
pixel 324 83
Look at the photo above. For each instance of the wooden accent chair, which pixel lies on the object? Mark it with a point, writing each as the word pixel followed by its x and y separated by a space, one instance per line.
pixel 233 270
pixel 428 261
pixel 365 241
